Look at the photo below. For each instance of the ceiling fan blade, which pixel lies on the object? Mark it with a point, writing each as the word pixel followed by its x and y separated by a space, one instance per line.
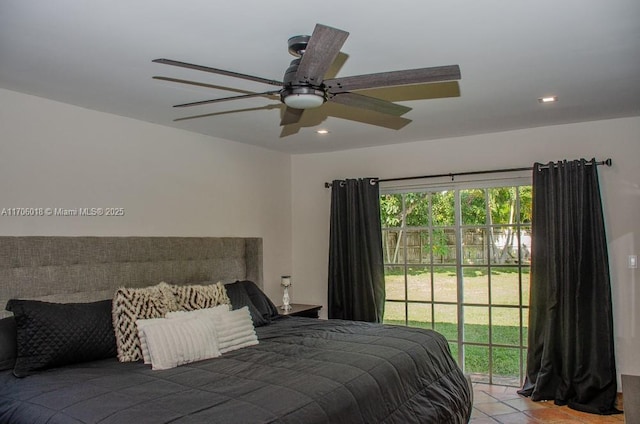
pixel 201 84
pixel 217 71
pixel 323 48
pixel 224 99
pixel 369 103
pixel 365 116
pixel 291 116
pixel 404 93
pixel 226 112
pixel 393 78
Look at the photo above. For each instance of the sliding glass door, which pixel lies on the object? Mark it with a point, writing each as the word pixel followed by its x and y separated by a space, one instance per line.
pixel 457 261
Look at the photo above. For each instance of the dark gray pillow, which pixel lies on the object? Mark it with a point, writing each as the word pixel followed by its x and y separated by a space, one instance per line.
pixel 7 343
pixel 239 297
pixel 266 307
pixel 55 334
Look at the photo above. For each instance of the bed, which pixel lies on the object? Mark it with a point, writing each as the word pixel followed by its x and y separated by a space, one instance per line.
pixel 300 370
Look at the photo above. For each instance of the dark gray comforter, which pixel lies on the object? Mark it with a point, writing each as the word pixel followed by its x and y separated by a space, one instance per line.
pixel 303 371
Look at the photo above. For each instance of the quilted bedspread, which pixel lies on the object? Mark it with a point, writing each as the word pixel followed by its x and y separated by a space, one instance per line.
pixel 302 371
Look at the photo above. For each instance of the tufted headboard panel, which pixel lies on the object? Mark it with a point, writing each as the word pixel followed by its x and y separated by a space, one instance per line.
pixel 84 269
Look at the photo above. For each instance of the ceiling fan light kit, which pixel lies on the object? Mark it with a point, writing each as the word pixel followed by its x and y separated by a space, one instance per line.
pixel 303 97
pixel 304 86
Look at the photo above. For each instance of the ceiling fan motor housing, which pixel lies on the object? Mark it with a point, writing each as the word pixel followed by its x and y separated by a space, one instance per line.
pixel 290 73
pixel 315 95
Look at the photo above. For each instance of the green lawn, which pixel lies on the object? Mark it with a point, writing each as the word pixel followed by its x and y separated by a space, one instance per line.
pixel 506 360
pixel 503 288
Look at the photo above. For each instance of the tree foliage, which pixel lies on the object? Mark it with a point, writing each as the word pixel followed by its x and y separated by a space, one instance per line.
pixel 496 207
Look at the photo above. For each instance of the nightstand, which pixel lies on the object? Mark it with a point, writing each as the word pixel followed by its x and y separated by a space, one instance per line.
pixel 300 310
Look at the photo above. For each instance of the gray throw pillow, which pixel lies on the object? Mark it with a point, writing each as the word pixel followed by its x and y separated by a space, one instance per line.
pixel 239 298
pixel 266 307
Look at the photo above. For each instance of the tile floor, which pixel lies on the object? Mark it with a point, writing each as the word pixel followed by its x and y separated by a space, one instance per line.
pixel 500 404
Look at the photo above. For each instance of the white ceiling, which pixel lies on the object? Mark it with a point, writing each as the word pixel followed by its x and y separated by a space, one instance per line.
pixel 97 55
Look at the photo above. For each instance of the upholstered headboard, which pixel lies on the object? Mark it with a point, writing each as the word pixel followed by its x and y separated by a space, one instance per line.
pixel 84 269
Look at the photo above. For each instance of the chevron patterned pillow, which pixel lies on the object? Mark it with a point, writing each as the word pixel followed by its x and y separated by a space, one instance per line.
pixel 200 296
pixel 131 304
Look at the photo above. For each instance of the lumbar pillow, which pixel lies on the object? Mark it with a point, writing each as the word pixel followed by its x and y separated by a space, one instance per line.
pixel 235 330
pixel 175 314
pixel 144 347
pixel 55 334
pixel 178 341
pixel 192 297
pixel 131 304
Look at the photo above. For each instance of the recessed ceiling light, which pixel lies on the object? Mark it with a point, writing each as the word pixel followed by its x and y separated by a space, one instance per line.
pixel 323 132
pixel 548 99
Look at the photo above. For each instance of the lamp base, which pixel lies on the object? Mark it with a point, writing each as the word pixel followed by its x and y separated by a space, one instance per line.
pixel 285 300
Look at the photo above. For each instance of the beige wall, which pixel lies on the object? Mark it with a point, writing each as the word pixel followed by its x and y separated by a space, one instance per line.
pixel 620 185
pixel 169 182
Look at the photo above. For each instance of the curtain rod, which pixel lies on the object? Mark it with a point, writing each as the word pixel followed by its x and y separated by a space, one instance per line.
pixel 456 174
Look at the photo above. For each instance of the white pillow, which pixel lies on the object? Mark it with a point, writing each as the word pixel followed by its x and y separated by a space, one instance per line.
pixel 174 342
pixel 140 324
pixel 234 330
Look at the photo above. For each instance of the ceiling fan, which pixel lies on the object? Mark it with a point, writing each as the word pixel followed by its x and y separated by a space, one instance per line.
pixel 304 87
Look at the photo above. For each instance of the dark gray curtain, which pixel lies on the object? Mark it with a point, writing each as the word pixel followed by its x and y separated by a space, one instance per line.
pixel 356 269
pixel 571 356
